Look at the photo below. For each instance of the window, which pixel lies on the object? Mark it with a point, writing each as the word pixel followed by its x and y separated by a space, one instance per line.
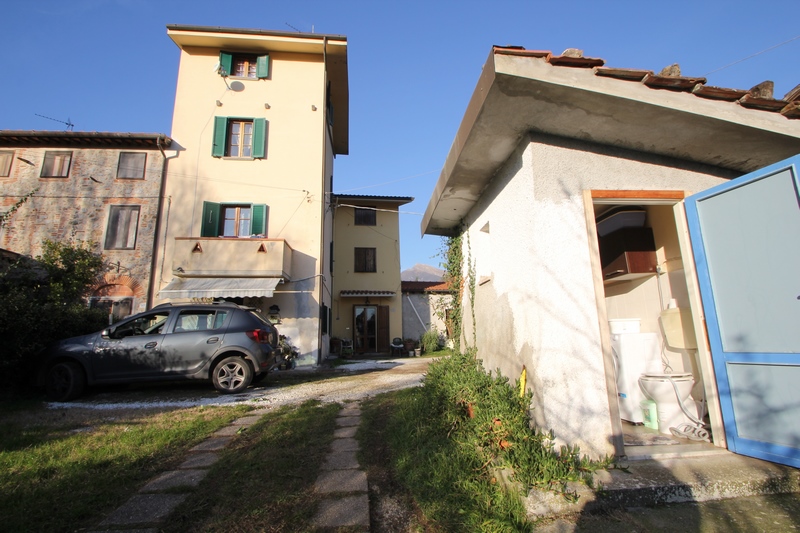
pixel 131 165
pixel 5 163
pixel 236 221
pixel 233 220
pixel 365 260
pixel 239 137
pixel 56 164
pixel 200 320
pixel 121 231
pixel 365 217
pixel 244 65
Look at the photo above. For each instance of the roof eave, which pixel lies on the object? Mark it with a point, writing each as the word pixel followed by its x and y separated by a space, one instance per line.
pixel 517 95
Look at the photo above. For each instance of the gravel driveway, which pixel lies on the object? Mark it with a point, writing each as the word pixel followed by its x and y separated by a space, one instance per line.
pixel 347 382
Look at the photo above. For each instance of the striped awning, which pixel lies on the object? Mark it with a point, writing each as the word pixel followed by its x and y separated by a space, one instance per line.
pixel 219 288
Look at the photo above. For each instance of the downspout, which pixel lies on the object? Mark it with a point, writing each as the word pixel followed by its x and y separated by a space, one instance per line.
pixel 424 327
pixel 322 207
pixel 157 237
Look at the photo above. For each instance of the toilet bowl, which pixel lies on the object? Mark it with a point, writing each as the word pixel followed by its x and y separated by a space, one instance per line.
pixel 660 389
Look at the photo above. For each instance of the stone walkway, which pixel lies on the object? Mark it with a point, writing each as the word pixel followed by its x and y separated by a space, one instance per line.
pixel 342 485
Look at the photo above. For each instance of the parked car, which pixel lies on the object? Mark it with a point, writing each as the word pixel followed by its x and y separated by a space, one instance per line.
pixel 229 344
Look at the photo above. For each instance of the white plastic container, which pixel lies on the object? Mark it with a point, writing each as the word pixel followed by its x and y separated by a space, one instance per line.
pixel 625 325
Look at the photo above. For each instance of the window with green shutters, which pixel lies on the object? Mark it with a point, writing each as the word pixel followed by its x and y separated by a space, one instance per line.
pixel 233 220
pixel 238 65
pixel 240 137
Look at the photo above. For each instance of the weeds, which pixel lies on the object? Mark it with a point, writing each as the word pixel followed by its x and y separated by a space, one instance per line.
pixel 464 447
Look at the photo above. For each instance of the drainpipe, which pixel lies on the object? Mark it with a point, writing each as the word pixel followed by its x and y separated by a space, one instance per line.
pixel 322 207
pixel 424 326
pixel 157 237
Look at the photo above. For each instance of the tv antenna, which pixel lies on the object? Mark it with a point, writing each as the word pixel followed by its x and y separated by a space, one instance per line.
pixel 69 123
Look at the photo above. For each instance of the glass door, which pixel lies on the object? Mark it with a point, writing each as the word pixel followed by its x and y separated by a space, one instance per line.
pixel 365 327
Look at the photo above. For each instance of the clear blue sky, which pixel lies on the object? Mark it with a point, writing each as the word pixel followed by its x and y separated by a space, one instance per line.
pixel 108 65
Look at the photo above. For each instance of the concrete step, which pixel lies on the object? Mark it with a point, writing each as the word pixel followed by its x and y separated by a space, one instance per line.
pixel 650 482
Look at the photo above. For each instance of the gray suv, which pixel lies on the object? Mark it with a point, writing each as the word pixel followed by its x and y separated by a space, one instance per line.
pixel 230 344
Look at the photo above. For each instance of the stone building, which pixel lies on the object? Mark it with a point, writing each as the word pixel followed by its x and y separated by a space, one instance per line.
pixel 101 188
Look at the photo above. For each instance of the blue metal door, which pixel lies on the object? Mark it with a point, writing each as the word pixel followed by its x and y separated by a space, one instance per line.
pixel 746 240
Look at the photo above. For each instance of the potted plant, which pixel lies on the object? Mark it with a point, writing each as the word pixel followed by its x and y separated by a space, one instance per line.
pixel 409 345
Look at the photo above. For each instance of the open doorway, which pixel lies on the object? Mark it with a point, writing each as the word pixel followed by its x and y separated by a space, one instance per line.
pixel 659 390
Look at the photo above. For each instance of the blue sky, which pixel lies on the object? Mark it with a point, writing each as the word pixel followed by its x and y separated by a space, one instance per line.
pixel 108 65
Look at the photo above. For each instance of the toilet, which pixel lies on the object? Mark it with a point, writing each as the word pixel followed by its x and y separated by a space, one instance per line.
pixel 659 388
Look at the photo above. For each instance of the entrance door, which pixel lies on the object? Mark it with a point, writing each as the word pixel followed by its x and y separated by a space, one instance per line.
pixel 371 327
pixel 365 326
pixel 746 240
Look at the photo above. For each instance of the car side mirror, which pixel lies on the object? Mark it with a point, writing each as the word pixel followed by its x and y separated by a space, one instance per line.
pixel 106 333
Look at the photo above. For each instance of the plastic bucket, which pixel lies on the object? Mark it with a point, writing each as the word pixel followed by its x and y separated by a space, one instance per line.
pixel 649 414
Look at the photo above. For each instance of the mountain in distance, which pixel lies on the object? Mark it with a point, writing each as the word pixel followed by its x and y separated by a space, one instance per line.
pixel 421 272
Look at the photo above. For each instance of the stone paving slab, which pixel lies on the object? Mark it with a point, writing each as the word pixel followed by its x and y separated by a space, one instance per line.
pixel 228 431
pixel 175 478
pixel 144 509
pixel 200 460
pixel 138 530
pixel 346 432
pixel 341 461
pixel 344 445
pixel 341 481
pixel 347 421
pixel 212 444
pixel 350 411
pixel 246 420
pixel 341 512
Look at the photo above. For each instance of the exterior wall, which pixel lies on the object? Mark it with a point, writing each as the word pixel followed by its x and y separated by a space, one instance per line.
pixel 534 298
pixel 291 179
pixel 423 311
pixel 384 237
pixel 76 208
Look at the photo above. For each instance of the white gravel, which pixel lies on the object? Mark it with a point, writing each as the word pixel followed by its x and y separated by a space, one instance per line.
pixel 373 377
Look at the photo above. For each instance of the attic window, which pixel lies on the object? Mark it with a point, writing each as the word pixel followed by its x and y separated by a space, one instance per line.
pixel 244 65
pixel 365 217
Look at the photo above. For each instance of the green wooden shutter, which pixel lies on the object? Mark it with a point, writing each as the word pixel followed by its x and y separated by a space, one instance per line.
pixel 262 67
pixel 210 225
pixel 259 220
pixel 220 136
pixel 226 62
pixel 259 138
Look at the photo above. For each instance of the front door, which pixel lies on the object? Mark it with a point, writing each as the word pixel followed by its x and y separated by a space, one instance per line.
pixel 746 240
pixel 371 327
pixel 365 326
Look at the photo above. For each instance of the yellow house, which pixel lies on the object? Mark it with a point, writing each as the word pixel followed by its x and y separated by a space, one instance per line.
pixel 259 117
pixel 367 303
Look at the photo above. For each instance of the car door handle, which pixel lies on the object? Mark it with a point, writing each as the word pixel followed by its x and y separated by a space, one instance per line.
pixel 212 340
pixel 151 345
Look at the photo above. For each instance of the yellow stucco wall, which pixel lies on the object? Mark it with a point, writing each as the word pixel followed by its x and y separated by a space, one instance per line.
pixel 384 237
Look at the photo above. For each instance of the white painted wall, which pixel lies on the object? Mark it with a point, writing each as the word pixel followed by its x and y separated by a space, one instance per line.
pixel 535 304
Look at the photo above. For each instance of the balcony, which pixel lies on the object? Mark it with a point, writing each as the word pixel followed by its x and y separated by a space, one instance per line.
pixel 232 257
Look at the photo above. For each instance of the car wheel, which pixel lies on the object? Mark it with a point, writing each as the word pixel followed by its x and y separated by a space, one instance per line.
pixel 65 381
pixel 232 375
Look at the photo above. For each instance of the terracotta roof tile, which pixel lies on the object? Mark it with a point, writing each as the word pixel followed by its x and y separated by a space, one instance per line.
pixel 718 93
pixel 758 97
pixel 630 74
pixel 792 110
pixel 764 104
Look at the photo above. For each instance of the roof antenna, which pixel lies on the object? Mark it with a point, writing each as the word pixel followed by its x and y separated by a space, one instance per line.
pixel 69 123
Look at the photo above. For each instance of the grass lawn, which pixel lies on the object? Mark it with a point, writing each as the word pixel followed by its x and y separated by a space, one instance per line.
pixel 66 469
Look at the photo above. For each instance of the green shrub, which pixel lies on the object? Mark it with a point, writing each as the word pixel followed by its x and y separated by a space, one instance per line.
pixel 41 301
pixel 429 341
pixel 464 446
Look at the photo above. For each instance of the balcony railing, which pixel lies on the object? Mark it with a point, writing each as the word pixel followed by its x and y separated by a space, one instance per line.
pixel 232 257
